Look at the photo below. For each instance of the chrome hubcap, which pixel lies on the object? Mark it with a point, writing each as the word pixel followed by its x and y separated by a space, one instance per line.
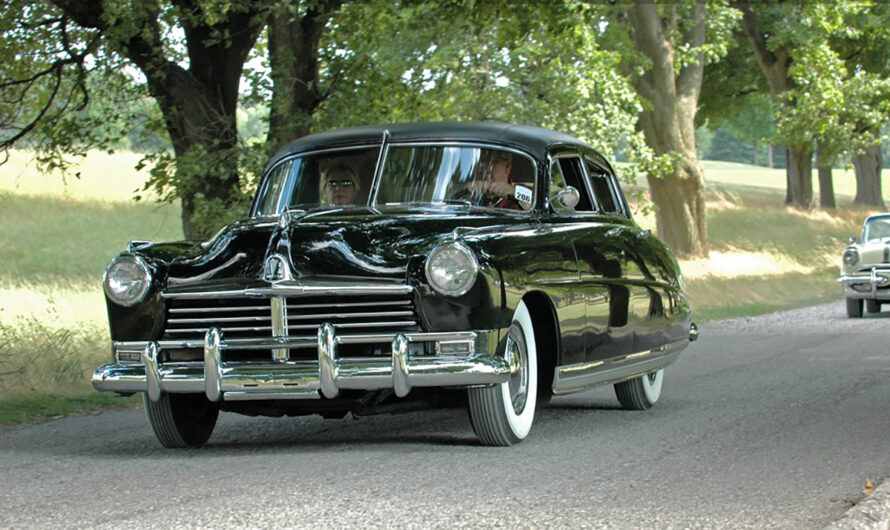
pixel 518 359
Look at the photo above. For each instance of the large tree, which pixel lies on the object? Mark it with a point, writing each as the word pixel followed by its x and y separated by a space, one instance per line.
pixel 294 46
pixel 195 85
pixel 670 45
pixel 765 26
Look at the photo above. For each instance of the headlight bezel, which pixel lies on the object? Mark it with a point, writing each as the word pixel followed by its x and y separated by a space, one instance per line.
pixel 145 276
pixel 850 257
pixel 471 265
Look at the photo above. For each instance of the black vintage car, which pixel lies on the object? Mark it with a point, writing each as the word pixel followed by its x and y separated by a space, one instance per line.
pixel 391 267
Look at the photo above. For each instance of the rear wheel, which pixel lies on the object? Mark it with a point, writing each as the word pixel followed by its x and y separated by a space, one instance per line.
pixel 873 306
pixel 854 308
pixel 181 420
pixel 503 414
pixel 641 392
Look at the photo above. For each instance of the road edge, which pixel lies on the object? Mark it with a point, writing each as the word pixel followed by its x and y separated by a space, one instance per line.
pixel 873 512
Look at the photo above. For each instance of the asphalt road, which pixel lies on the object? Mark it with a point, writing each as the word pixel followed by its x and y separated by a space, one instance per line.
pixel 765 422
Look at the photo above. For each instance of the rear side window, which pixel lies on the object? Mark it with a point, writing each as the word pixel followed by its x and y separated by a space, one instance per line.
pixel 603 189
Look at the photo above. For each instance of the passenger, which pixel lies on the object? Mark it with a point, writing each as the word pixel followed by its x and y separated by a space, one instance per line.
pixel 339 185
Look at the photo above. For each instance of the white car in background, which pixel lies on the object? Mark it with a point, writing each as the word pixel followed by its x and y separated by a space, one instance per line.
pixel 865 272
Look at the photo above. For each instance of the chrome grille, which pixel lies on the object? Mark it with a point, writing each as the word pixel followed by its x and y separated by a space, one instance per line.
pixel 249 317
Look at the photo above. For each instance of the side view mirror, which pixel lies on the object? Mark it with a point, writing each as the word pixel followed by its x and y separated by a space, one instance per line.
pixel 852 240
pixel 568 197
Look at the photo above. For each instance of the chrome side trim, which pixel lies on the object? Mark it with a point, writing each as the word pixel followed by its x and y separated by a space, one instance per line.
pixel 581 376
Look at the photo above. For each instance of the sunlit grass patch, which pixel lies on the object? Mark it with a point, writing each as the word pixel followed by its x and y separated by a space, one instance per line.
pixel 735 264
pixel 715 298
pixel 757 176
pixel 55 239
pixel 103 177
pixel 59 305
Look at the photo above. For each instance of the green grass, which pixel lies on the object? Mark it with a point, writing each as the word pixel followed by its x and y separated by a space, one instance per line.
pixel 48 406
pixel 54 239
pixel 59 234
pixel 719 298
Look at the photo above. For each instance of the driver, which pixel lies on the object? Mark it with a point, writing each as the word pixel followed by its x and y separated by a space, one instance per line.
pixel 339 185
pixel 493 181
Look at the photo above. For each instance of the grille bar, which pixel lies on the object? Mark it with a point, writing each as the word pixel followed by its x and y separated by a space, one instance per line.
pixel 218 319
pixel 406 303
pixel 249 317
pixel 181 310
pixel 327 316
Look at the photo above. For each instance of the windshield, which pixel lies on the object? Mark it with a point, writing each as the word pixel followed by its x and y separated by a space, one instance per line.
pixel 429 174
pixel 876 228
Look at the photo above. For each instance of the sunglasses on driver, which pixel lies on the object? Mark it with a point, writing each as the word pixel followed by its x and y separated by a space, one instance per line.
pixel 346 183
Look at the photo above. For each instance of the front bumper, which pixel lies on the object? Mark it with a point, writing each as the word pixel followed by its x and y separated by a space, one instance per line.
pixel 457 363
pixel 872 284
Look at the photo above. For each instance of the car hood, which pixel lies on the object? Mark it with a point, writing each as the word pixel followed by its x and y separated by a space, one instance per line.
pixel 342 243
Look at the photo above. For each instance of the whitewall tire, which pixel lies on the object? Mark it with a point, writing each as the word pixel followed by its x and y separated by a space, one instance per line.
pixel 503 414
pixel 642 392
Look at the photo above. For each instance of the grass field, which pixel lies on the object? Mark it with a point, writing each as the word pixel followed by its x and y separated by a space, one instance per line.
pixel 59 234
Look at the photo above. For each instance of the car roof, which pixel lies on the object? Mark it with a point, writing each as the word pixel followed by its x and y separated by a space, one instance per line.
pixel 533 139
pixel 877 216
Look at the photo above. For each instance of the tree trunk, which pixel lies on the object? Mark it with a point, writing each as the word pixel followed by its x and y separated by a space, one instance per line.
pixel 868 177
pixel 669 127
pixel 800 178
pixel 293 62
pixel 680 210
pixel 775 63
pixel 826 188
pixel 198 104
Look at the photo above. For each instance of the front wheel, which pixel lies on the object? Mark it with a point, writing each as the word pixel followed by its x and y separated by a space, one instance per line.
pixel 181 420
pixel 503 414
pixel 854 308
pixel 873 306
pixel 641 392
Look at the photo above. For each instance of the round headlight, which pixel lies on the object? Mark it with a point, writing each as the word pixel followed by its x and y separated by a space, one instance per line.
pixel 851 257
pixel 127 280
pixel 451 269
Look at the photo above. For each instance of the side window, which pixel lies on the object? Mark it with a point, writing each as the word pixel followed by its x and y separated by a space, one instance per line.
pixel 603 191
pixel 566 171
pixel 269 200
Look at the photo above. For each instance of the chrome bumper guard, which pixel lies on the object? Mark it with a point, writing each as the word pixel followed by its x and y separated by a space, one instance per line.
pixel 304 379
pixel 870 281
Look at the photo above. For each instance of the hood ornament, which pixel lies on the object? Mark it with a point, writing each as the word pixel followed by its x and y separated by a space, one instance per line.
pixel 276 269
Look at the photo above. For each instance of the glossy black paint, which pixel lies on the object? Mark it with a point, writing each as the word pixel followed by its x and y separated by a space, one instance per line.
pixel 614 288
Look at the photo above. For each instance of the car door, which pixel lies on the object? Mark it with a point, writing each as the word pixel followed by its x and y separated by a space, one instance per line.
pixel 602 294
pixel 641 262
